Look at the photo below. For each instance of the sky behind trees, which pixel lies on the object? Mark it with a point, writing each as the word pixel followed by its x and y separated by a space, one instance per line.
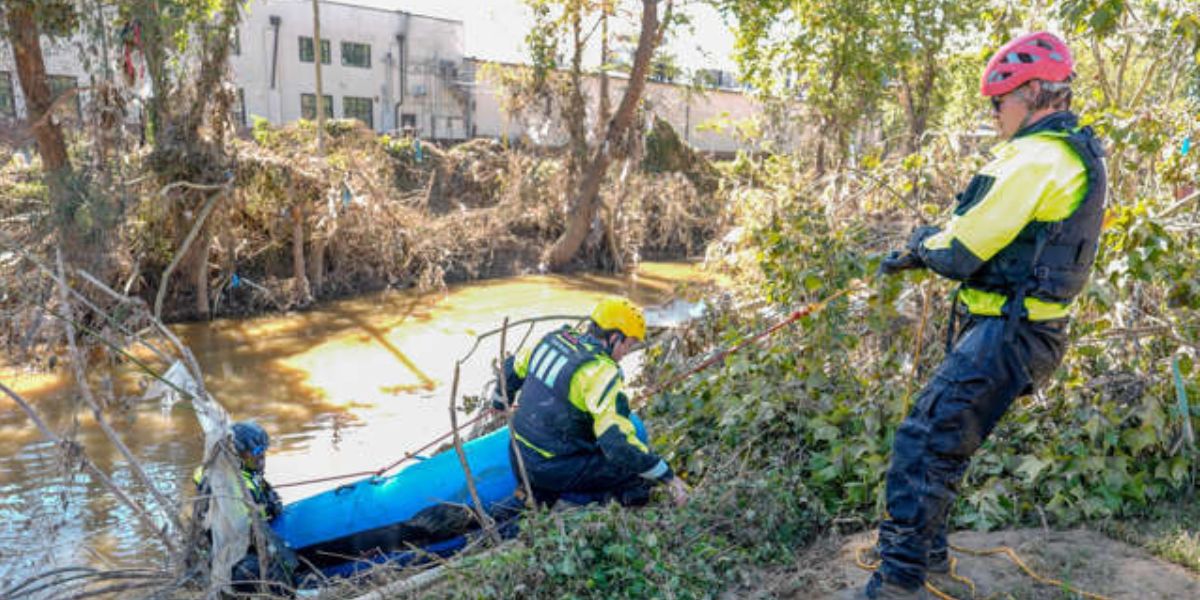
pixel 495 30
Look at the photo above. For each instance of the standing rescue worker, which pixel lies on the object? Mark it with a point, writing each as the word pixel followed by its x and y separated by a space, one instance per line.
pixel 1022 241
pixel 573 428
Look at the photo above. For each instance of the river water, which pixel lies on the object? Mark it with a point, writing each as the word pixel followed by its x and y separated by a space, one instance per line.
pixel 349 386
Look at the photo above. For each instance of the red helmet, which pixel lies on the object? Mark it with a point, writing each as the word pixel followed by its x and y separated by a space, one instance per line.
pixel 1040 55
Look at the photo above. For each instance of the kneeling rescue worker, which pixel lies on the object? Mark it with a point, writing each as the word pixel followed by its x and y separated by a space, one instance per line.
pixel 1022 241
pixel 250 441
pixel 572 426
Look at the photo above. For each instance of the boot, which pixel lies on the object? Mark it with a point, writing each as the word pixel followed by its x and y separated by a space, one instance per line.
pixel 939 562
pixel 878 589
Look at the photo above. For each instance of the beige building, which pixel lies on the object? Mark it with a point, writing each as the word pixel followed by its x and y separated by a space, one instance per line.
pixel 386 67
pixel 64 68
pixel 395 71
pixel 703 117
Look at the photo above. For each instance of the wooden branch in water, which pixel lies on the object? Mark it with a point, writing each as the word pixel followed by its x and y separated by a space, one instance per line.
pixel 87 463
pixel 479 338
pixel 502 381
pixel 114 589
pixel 188 358
pixel 77 364
pixel 485 521
pixel 187 242
pixel 76 577
pixel 11 592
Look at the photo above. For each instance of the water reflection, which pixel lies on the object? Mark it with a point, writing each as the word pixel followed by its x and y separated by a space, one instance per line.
pixel 346 387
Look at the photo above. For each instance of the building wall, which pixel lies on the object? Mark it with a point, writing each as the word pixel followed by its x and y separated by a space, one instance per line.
pixel 704 118
pixel 416 78
pixel 62 57
pixel 425 81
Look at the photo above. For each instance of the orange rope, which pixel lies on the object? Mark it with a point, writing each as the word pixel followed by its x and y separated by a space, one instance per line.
pixel 720 356
pixel 1005 550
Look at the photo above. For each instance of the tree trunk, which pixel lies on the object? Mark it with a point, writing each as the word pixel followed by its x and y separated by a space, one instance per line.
pixel 320 87
pixel 583 205
pixel 605 108
pixel 576 109
pixel 24 35
pixel 316 264
pixel 155 47
pixel 200 273
pixel 820 155
pixel 213 65
pixel 298 270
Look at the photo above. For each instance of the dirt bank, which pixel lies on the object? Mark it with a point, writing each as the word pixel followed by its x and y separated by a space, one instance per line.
pixel 1084 559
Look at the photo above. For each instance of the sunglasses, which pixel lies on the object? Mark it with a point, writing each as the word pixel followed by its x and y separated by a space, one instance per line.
pixel 998 101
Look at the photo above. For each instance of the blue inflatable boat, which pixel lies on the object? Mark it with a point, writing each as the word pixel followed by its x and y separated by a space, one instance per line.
pixel 420 511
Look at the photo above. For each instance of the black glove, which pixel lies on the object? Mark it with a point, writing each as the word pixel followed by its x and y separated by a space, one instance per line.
pixel 898 261
pixel 272 505
pixel 919 235
pixel 496 398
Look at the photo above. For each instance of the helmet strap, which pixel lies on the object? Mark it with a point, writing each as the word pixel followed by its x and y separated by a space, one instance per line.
pixel 610 343
pixel 1028 108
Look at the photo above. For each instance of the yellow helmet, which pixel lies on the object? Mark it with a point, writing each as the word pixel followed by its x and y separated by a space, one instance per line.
pixel 617 313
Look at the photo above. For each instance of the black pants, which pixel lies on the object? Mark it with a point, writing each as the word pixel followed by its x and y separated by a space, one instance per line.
pixel 953 415
pixel 581 478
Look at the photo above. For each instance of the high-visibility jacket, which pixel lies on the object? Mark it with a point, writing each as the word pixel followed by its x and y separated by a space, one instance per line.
pixel 261 492
pixel 573 402
pixel 1026 230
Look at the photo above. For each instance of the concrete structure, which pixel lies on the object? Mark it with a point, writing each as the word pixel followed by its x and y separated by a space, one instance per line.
pixel 704 118
pixel 64 67
pixel 389 68
pixel 394 70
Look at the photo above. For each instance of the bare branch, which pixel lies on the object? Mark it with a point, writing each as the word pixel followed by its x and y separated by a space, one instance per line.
pixel 485 521
pixel 101 476
pixel 77 366
pixel 187 242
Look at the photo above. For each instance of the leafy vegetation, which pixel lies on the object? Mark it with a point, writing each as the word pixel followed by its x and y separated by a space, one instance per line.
pixel 801 424
pixel 792 435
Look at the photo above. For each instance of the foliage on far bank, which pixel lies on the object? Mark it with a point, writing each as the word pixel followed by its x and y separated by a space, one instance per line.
pixel 376 212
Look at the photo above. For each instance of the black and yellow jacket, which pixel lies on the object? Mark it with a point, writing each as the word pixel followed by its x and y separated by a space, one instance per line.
pixel 264 496
pixel 1026 229
pixel 573 402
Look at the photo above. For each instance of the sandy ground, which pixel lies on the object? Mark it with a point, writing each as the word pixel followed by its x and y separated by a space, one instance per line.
pixel 1084 560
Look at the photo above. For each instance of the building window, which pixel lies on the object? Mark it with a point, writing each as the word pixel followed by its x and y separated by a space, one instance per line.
pixel 358 108
pixel 61 84
pixel 239 108
pixel 356 55
pixel 306 50
pixel 718 79
pixel 308 106
pixel 8 103
pixel 235 42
